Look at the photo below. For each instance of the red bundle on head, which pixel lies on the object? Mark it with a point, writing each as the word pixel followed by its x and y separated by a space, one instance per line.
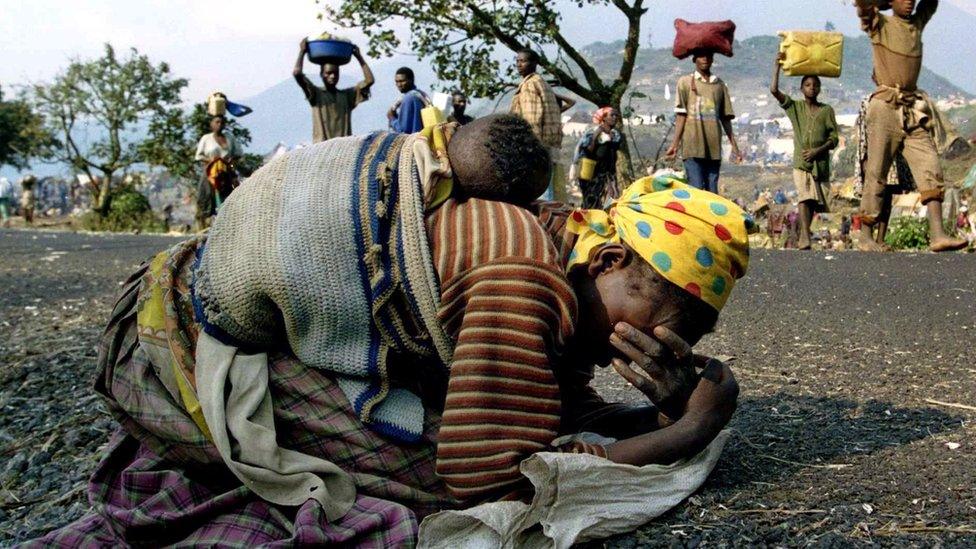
pixel 713 36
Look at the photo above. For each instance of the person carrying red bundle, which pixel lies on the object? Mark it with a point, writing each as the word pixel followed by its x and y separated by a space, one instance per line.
pixel 703 105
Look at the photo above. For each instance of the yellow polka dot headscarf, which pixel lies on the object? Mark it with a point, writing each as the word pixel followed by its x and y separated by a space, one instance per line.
pixel 693 238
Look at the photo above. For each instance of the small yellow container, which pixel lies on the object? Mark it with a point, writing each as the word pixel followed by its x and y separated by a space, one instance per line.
pixel 431 116
pixel 587 168
pixel 812 53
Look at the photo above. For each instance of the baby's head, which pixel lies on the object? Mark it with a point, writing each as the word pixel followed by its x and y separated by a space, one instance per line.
pixel 498 157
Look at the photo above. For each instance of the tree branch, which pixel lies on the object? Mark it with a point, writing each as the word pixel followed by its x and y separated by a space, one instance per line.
pixel 592 78
pixel 513 44
pixel 634 15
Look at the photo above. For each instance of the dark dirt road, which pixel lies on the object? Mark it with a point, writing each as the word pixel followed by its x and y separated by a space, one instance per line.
pixel 837 440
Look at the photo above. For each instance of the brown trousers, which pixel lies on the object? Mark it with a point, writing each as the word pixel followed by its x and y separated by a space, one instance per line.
pixel 888 135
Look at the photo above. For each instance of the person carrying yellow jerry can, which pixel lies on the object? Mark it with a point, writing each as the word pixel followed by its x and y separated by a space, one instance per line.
pixel 596 159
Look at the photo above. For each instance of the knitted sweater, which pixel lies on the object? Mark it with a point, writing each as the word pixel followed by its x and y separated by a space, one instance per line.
pixel 323 251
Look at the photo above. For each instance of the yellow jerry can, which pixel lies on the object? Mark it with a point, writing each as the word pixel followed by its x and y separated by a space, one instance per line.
pixel 812 53
pixel 587 168
pixel 431 116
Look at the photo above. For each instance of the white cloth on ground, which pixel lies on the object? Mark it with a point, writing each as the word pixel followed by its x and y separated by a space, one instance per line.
pixel 578 498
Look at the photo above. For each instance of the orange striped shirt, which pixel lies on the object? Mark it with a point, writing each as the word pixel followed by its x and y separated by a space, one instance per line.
pixel 507 302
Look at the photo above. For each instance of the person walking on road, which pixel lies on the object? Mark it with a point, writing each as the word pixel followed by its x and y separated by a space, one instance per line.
pixel 704 110
pixel 815 134
pixel 6 200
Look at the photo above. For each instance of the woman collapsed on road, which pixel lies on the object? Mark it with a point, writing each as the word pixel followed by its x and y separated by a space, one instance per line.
pixel 351 348
pixel 218 152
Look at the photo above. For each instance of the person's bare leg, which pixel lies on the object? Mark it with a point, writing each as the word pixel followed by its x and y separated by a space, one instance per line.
pixel 806 219
pixel 939 241
pixel 881 233
pixel 865 240
pixel 881 225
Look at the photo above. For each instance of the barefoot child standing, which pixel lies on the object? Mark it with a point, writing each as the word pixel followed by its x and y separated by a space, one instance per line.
pixel 898 119
pixel 814 136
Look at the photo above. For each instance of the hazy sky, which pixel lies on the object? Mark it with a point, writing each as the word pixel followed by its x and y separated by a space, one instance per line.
pixel 244 46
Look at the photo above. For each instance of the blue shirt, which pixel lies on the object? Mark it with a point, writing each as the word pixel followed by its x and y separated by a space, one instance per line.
pixel 408 116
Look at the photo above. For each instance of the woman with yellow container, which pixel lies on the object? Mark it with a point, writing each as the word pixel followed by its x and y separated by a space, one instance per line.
pixel 596 158
pixel 218 152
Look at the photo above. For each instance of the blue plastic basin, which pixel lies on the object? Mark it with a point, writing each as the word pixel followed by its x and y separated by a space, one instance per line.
pixel 336 52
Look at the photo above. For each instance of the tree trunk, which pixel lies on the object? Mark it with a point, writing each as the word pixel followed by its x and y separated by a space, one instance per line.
pixel 625 164
pixel 104 199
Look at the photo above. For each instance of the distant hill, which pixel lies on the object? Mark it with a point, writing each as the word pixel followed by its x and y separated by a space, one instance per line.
pixel 948 47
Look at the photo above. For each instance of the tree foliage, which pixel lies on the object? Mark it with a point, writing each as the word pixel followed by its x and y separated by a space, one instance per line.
pixel 172 142
pixel 22 133
pixel 463 38
pixel 95 108
pixel 129 211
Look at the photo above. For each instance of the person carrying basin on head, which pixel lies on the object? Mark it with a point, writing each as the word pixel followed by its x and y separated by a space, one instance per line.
pixel 332 106
pixel 218 152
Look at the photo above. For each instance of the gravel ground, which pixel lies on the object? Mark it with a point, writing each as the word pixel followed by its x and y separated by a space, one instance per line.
pixel 837 440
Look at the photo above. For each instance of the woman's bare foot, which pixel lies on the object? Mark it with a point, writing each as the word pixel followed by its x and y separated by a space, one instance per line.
pixel 946 244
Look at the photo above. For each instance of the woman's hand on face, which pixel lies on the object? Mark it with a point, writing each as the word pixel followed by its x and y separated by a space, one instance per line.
pixel 667 363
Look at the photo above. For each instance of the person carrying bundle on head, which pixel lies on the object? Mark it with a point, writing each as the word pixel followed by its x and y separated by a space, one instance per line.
pixel 596 154
pixel 703 104
pixel 899 118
